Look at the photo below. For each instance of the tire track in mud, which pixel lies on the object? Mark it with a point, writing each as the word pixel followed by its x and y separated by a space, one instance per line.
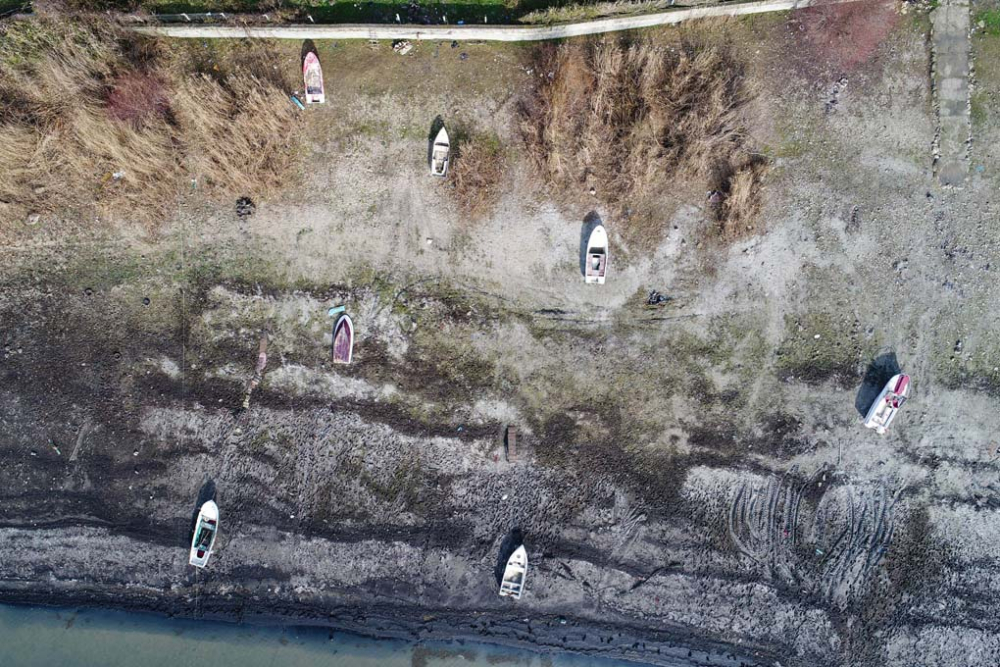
pixel 825 536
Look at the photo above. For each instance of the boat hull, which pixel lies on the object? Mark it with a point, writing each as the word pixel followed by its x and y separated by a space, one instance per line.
pixel 312 77
pixel 512 584
pixel 343 340
pixel 440 154
pixel 597 257
pixel 888 403
pixel 205 532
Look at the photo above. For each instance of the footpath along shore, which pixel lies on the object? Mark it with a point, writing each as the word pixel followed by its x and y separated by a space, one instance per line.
pixel 487 33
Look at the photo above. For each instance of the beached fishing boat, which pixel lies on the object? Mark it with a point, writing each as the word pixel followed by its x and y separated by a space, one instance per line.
pixel 205 531
pixel 440 153
pixel 597 256
pixel 312 74
pixel 343 339
pixel 512 584
pixel 888 403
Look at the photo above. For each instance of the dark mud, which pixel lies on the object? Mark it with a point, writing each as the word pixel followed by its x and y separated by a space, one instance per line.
pixel 376 498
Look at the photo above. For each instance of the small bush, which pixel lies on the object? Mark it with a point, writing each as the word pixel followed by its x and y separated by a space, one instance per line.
pixel 137 97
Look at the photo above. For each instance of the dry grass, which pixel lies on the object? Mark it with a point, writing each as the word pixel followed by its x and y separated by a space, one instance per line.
pixel 740 190
pixel 478 168
pixel 94 117
pixel 632 120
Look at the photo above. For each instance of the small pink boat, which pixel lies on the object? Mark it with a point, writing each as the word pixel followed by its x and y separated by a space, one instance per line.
pixel 312 74
pixel 343 340
pixel 888 403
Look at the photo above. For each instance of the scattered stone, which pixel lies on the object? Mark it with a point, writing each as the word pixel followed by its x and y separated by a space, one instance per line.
pixel 33 219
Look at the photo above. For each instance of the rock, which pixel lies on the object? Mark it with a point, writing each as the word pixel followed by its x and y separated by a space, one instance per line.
pixel 33 219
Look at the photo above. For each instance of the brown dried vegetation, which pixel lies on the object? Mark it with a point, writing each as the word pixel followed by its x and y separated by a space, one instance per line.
pixel 92 116
pixel 478 168
pixel 634 119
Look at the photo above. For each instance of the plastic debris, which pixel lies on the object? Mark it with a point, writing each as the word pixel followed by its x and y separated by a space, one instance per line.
pixel 245 207
pixel 656 299
pixel 336 310
pixel 402 46
pixel 297 102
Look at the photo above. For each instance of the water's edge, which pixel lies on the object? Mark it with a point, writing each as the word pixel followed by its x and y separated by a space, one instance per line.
pixel 554 636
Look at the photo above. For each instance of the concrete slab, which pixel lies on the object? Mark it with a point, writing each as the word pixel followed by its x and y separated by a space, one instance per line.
pixel 950 25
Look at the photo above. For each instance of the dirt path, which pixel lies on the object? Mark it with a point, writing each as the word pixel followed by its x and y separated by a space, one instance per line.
pixel 482 32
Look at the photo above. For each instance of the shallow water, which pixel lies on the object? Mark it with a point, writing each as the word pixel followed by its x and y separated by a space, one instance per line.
pixel 33 637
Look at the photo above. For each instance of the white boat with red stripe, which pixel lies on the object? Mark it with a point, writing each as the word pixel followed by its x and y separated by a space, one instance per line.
pixel 888 403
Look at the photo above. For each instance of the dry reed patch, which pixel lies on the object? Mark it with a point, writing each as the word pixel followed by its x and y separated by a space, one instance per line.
pixel 478 169
pixel 633 120
pixel 236 133
pixel 91 116
pixel 740 198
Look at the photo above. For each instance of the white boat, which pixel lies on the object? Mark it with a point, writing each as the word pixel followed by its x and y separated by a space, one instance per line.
pixel 888 403
pixel 512 584
pixel 312 76
pixel 597 256
pixel 205 531
pixel 440 153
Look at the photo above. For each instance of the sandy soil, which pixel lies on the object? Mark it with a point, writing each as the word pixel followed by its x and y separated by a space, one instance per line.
pixel 695 486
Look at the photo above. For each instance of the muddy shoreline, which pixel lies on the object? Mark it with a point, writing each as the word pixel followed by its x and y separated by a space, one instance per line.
pixel 544 634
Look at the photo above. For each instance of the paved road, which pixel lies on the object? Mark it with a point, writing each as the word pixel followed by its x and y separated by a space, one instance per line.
pixel 507 33
pixel 951 86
